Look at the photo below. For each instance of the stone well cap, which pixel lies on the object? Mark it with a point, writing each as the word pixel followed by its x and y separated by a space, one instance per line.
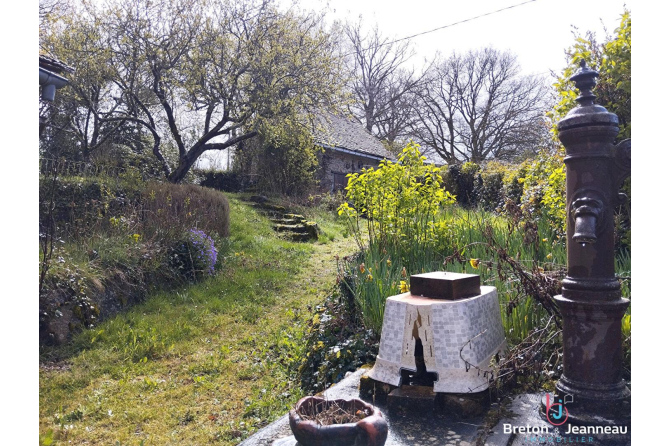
pixel 445 285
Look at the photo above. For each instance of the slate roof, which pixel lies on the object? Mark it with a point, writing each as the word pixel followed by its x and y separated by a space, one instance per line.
pixel 53 65
pixel 337 132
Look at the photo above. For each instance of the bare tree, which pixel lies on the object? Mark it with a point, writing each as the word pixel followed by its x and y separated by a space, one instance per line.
pixel 381 86
pixel 394 125
pixel 436 111
pixel 477 107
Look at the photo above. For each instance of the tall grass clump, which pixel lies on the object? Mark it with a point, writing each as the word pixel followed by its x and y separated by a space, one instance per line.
pixel 521 260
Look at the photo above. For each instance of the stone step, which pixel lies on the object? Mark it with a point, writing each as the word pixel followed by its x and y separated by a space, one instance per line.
pixel 300 237
pixel 295 225
pixel 296 217
pixel 296 229
pixel 312 229
pixel 287 221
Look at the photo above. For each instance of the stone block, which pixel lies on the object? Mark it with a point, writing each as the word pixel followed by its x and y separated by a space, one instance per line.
pixel 312 229
pixel 369 388
pixel 463 405
pixel 412 400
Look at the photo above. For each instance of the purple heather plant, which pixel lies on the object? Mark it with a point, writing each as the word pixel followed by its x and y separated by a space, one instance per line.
pixel 205 252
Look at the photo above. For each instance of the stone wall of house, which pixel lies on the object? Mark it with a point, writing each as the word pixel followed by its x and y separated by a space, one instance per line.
pixel 334 164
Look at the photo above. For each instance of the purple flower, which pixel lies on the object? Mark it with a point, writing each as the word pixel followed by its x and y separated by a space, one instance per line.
pixel 204 252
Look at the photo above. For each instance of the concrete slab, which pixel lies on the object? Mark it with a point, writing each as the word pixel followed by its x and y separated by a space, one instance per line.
pixel 416 429
pixel 437 429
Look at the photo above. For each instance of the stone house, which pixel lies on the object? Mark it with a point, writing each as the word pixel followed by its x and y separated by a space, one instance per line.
pixel 348 148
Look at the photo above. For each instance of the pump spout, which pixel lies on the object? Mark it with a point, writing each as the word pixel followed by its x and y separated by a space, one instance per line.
pixel 586 212
pixel 585 226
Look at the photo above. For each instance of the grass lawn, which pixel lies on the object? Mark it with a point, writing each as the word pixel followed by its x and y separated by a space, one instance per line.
pixel 208 363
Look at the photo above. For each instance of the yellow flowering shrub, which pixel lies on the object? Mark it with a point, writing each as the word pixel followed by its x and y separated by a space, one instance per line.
pixel 400 200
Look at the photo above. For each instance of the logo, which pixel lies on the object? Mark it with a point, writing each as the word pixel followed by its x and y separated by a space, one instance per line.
pixel 557 413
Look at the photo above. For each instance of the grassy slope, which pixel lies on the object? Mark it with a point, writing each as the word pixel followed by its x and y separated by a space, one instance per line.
pixel 208 363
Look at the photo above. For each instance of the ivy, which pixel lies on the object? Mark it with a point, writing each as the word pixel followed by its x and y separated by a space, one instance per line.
pixel 544 189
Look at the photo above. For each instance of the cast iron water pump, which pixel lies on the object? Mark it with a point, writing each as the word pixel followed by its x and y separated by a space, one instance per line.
pixel 591 304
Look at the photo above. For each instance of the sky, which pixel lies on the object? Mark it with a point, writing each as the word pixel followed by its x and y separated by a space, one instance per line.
pixel 537 31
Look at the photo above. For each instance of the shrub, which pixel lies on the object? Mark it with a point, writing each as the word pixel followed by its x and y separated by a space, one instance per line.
pixel 283 159
pixel 400 200
pixel 172 209
pixel 544 190
pixel 194 256
pixel 488 186
pixel 462 180
pixel 491 192
pixel 229 181
pixel 328 201
pixel 512 183
pixel 82 206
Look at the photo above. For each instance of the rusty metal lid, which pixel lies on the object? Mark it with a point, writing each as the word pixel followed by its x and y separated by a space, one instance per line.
pixel 445 285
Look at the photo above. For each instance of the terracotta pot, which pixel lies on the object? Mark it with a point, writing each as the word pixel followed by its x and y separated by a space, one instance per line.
pixel 369 431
